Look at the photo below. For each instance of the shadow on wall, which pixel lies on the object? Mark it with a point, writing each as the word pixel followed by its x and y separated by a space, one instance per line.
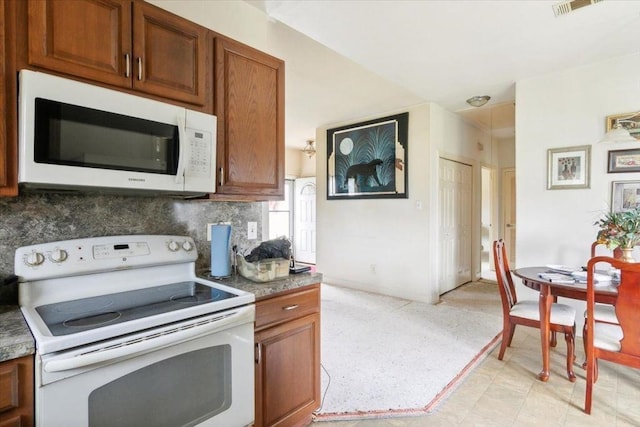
pixel 37 218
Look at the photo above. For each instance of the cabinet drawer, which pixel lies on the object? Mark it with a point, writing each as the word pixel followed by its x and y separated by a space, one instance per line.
pixel 287 307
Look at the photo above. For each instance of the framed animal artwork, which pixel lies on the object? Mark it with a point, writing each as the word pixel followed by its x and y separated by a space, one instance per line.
pixel 368 160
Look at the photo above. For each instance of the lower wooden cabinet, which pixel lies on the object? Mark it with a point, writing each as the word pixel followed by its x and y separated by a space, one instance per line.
pixel 16 392
pixel 288 358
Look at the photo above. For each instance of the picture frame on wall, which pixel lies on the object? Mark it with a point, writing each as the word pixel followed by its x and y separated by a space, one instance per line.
pixel 568 167
pixel 369 160
pixel 625 195
pixel 624 161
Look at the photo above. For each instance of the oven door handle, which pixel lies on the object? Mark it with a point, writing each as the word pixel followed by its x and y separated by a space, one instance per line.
pixel 155 341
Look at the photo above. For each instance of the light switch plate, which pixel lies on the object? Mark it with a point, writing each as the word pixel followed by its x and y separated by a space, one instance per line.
pixel 252 230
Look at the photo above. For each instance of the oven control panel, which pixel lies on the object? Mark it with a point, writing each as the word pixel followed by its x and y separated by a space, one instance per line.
pixel 92 255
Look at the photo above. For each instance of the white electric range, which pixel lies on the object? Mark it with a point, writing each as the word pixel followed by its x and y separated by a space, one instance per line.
pixel 127 334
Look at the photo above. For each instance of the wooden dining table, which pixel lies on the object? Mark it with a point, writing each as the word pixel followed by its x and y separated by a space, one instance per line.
pixel 530 276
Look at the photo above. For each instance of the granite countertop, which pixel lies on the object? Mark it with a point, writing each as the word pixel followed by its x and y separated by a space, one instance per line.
pixel 15 338
pixel 263 290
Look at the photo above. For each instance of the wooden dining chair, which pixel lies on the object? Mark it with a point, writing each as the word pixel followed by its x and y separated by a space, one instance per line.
pixel 603 313
pixel 616 343
pixel 527 312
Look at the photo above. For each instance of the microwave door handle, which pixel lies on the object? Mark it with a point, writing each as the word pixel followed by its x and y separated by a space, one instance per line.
pixel 182 135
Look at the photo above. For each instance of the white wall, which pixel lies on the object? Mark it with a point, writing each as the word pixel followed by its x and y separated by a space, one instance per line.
pixel 390 246
pixel 562 110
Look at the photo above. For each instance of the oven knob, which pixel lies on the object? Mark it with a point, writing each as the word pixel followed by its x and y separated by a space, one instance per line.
pixel 187 246
pixel 59 255
pixel 34 258
pixel 173 246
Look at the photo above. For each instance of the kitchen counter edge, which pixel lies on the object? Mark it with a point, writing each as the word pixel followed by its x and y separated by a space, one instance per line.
pixel 263 290
pixel 15 337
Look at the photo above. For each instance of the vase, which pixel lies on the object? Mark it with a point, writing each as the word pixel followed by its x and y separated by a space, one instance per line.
pixel 626 255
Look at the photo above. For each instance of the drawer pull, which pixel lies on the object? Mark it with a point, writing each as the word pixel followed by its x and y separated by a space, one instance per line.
pixel 290 307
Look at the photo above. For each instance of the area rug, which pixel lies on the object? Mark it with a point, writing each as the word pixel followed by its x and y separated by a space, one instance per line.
pixel 385 356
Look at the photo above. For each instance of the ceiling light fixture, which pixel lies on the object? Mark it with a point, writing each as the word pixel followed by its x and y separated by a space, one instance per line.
pixel 309 149
pixel 478 101
pixel 620 133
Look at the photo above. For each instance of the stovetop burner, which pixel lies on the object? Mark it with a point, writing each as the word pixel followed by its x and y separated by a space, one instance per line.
pixel 83 314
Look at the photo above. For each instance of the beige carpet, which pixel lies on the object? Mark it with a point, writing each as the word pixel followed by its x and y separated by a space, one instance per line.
pixel 385 356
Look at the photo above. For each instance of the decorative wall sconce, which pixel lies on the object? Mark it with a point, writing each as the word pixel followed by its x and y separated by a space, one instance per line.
pixel 618 127
pixel 309 149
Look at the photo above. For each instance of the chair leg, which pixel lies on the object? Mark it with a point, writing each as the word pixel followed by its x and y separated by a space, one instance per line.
pixel 554 340
pixel 571 345
pixel 589 389
pixel 584 343
pixel 507 335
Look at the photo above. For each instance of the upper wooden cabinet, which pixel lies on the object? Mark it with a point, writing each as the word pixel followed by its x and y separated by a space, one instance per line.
pixel 8 101
pixel 249 104
pixel 124 43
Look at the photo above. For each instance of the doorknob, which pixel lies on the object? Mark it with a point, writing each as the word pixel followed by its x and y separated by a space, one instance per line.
pixel 510 225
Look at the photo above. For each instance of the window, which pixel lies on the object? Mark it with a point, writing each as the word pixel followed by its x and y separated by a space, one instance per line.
pixel 281 214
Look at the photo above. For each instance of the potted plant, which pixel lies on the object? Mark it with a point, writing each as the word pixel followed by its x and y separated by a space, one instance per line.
pixel 620 230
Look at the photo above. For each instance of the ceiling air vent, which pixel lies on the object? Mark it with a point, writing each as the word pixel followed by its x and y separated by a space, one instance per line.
pixel 569 6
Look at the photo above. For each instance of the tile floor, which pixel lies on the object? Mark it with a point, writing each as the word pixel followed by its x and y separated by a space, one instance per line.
pixel 507 393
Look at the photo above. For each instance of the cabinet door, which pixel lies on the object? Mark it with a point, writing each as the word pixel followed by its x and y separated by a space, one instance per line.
pixel 249 103
pixel 170 55
pixel 8 101
pixel 287 372
pixel 3 102
pixel 85 38
pixel 16 392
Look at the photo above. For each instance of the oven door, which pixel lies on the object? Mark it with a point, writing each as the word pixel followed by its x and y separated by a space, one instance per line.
pixel 191 373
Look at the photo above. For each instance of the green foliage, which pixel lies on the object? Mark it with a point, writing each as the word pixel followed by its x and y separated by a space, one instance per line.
pixel 619 229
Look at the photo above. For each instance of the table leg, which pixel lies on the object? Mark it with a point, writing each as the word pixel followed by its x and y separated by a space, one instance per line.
pixel 545 314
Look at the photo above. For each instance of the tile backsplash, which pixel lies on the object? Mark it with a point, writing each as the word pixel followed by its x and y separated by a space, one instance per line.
pixel 37 218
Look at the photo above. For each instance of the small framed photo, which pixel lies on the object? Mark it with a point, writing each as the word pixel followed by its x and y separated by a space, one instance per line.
pixel 629 121
pixel 625 195
pixel 624 161
pixel 568 167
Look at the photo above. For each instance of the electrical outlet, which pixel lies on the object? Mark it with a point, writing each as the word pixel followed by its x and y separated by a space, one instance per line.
pixel 252 230
pixel 209 228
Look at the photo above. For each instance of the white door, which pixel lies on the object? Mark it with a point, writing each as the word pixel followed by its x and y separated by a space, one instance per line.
pixel 509 213
pixel 305 220
pixel 455 201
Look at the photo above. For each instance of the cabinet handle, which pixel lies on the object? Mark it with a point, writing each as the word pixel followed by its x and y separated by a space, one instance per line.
pixel 221 177
pixel 258 353
pixel 290 307
pixel 139 68
pixel 127 60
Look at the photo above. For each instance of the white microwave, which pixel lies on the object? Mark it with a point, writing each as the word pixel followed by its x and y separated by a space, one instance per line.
pixel 75 136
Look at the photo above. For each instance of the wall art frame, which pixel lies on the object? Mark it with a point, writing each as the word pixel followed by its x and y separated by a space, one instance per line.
pixel 568 167
pixel 369 160
pixel 629 121
pixel 623 161
pixel 625 195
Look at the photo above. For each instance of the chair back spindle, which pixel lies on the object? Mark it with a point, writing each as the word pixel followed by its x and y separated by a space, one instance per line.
pixel 503 275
